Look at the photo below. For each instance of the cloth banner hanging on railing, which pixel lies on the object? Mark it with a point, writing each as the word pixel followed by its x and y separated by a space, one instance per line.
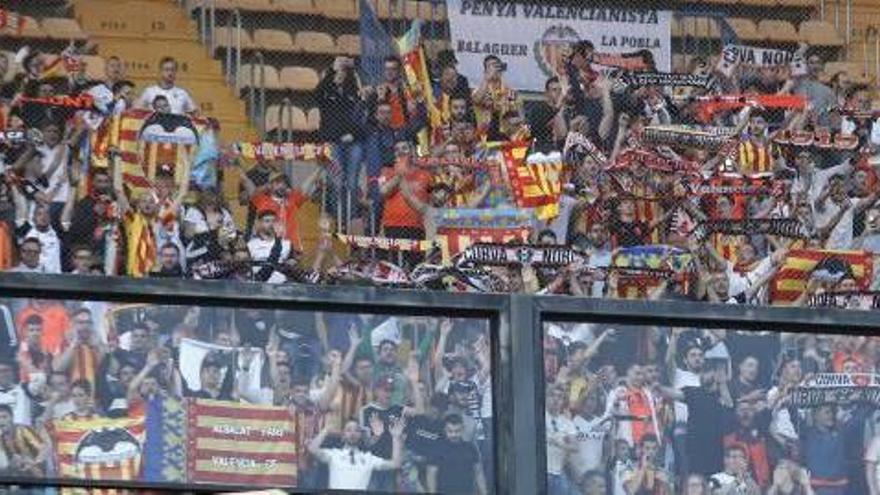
pixel 846 300
pixel 524 254
pixel 283 151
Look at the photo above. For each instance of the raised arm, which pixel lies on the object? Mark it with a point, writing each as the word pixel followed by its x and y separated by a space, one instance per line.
pixel 308 186
pixel 119 188
pixel 480 195
pixel 315 445
pixel 408 195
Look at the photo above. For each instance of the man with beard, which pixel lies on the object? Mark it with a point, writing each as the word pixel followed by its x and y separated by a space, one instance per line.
pixel 138 220
pixel 268 249
pixel 547 118
pixel 284 202
pixel 351 467
pixel 169 262
pixel 707 404
pixel 440 194
pixel 455 467
pixel 94 215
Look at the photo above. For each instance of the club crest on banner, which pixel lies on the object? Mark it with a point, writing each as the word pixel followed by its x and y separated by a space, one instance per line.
pixel 549 50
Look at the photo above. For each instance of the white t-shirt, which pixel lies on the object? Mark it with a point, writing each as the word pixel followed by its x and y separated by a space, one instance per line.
pixel 558 428
pixel 16 398
pixel 683 379
pixel 50 248
pixel 57 179
pixel 196 218
pixel 590 436
pixel 178 99
pixel 261 248
pixel 351 469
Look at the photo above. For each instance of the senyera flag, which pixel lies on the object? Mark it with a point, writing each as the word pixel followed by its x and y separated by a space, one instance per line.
pixel 792 278
pixel 241 444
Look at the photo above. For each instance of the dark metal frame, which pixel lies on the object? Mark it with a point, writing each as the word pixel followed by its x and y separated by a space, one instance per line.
pixel 492 308
pixel 516 323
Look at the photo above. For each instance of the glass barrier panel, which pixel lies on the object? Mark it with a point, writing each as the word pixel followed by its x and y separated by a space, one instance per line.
pixel 660 410
pixel 190 395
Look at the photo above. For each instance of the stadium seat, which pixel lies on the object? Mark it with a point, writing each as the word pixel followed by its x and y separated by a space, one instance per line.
pixel 296 6
pixel 411 9
pixel 31 28
pixel 271 39
pixel 776 30
pixel 438 15
pixel 314 119
pixel 314 42
pixel 820 33
pixel 745 29
pixel 94 67
pixel 298 78
pixel 682 26
pixel 349 44
pixel 271 121
pixel 252 5
pixel 852 69
pixel 291 118
pixel 714 27
pixel 300 120
pixel 224 38
pixel 246 71
pixel 63 28
pixel 338 9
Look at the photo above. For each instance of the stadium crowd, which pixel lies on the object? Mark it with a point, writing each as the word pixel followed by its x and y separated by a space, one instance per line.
pixel 678 410
pixel 732 165
pixel 398 404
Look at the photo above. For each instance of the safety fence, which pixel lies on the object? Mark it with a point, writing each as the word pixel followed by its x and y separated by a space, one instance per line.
pixel 725 153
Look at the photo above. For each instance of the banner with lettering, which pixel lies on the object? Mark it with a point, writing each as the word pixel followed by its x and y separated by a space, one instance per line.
pixel 231 443
pixel 837 388
pixel 530 37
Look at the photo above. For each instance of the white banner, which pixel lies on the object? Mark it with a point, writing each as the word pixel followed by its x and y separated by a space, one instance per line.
pixel 529 36
pixel 756 56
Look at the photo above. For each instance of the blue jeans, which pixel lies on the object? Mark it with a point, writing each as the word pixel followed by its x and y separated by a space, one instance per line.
pixel 350 157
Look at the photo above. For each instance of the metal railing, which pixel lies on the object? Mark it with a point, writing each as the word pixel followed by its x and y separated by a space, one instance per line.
pixel 233 55
pixel 285 127
pixel 257 93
